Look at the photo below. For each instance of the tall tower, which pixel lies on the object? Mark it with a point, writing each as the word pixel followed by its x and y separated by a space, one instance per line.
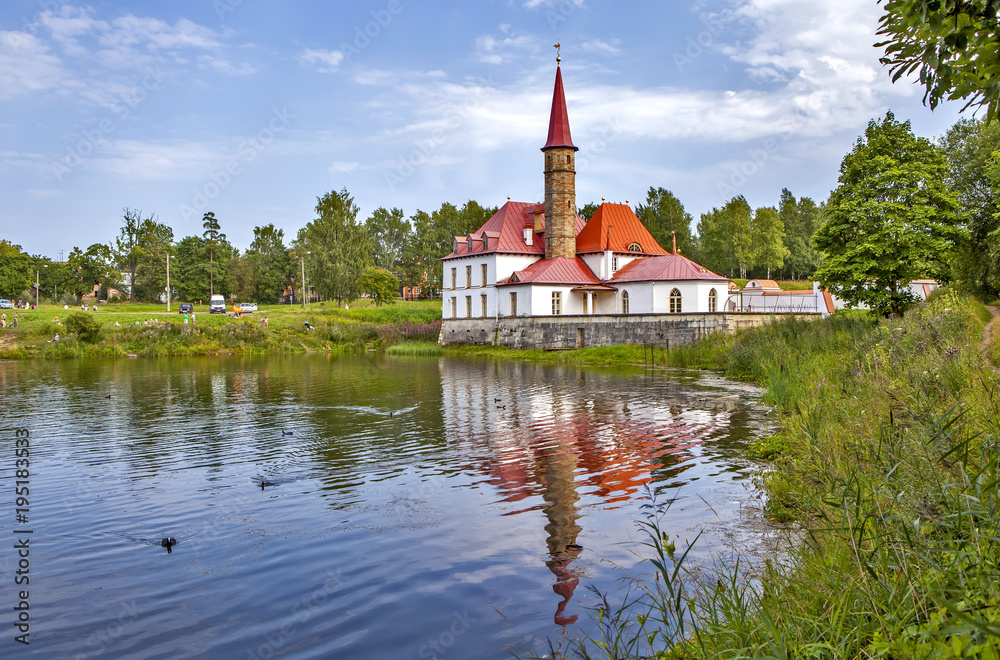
pixel 560 178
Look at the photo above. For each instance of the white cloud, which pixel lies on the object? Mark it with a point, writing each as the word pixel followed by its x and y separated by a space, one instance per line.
pixel 343 168
pixel 493 50
pixel 325 61
pixel 611 47
pixel 26 65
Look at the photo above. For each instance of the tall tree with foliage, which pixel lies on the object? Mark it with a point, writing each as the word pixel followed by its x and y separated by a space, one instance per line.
pixel 155 240
pixel 954 44
pixel 433 235
pixel 767 234
pixel 664 216
pixel 339 246
pixel 188 269
pixel 128 247
pixel 90 268
pixel 213 239
pixel 800 218
pixel 389 232
pixel 968 147
pixel 891 220
pixel 15 270
pixel 272 264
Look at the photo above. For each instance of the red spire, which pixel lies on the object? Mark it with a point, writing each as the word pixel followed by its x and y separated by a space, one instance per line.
pixel 559 120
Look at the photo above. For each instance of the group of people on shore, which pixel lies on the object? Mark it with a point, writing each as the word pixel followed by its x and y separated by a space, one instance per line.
pixel 3 320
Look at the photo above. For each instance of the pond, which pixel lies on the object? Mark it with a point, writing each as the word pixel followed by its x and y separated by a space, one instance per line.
pixel 352 507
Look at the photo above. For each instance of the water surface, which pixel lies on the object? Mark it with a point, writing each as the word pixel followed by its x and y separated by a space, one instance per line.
pixel 412 508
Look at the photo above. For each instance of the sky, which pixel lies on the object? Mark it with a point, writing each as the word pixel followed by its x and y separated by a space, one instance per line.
pixel 253 109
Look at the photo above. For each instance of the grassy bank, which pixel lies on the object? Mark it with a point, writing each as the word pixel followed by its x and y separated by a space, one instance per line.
pixel 889 460
pixel 149 331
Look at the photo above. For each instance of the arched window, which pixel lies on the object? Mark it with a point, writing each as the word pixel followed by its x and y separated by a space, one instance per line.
pixel 624 302
pixel 675 301
pixel 635 247
pixel 713 301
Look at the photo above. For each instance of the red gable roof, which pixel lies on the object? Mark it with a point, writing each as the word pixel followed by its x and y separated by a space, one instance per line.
pixel 667 267
pixel 505 231
pixel 620 223
pixel 557 270
pixel 559 119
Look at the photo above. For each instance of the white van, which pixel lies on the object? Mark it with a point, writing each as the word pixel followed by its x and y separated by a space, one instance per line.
pixel 217 305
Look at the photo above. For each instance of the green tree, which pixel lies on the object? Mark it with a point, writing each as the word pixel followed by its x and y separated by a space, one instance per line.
pixel 664 216
pixel 192 272
pixel 800 219
pixel 214 239
pixel 432 239
pixel 272 265
pixel 892 219
pixel 15 270
pixel 128 248
pixel 380 284
pixel 389 233
pixel 969 147
pixel 954 44
pixel 767 234
pixel 155 241
pixel 588 210
pixel 89 269
pixel 339 246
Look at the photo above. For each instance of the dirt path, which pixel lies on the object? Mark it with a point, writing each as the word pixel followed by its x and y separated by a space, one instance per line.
pixel 988 331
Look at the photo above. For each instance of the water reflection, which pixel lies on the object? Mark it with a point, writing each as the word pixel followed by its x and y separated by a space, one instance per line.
pixel 551 437
pixel 430 487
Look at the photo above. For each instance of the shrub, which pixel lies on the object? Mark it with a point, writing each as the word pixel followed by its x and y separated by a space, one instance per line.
pixel 84 326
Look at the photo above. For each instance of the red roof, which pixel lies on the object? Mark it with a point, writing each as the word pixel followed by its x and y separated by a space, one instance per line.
pixel 615 227
pixel 667 267
pixel 557 270
pixel 559 119
pixel 505 231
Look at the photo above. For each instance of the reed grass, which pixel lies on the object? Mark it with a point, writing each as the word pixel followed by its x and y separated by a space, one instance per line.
pixel 889 460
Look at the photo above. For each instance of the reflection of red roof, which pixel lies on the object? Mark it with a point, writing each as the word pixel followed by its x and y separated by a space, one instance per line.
pixel 667 267
pixel 559 119
pixel 615 227
pixel 557 270
pixel 505 231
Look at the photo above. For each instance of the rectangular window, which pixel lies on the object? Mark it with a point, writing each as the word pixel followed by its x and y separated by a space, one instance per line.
pixel 468 277
pixel 513 304
pixel 614 264
pixel 468 307
pixel 482 306
pixel 454 278
pixel 556 303
pixel 454 308
pixel 485 272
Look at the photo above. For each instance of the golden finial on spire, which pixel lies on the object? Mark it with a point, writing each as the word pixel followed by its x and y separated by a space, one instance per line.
pixel 558 57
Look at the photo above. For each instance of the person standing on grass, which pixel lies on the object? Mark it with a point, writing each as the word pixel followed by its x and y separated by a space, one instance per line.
pixel 192 317
pixel 15 319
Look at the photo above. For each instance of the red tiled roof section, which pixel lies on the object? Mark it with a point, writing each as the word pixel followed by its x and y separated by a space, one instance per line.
pixel 506 232
pixel 667 267
pixel 557 270
pixel 615 227
pixel 559 119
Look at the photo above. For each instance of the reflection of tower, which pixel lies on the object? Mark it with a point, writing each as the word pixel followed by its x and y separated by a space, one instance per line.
pixel 561 497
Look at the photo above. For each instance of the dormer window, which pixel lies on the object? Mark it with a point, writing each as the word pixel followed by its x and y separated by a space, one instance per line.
pixel 635 247
pixel 515 278
pixel 486 242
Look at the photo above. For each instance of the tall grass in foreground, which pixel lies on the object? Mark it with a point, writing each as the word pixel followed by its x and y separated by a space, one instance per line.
pixel 889 458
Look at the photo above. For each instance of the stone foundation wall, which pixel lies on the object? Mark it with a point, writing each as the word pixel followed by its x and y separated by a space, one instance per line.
pixel 566 332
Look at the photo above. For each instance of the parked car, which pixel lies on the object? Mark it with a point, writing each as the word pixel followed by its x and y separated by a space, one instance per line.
pixel 6 304
pixel 217 304
pixel 247 308
pixel 185 308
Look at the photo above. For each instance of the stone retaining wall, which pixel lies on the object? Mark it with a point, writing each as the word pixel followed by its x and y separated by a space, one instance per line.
pixel 579 331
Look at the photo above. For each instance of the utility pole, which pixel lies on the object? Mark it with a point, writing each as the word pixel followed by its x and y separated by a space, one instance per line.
pixel 302 262
pixel 168 283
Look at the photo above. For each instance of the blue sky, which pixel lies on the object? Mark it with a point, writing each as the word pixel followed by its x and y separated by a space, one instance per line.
pixel 253 109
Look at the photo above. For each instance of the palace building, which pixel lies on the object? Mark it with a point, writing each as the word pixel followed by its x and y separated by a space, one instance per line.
pixel 542 259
